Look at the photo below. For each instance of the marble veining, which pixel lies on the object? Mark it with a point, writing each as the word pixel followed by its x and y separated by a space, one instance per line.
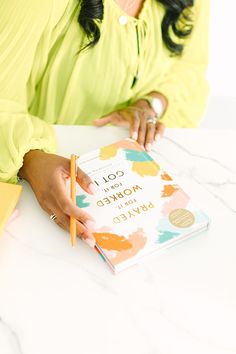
pixel 217 176
pixel 181 147
pixel 9 340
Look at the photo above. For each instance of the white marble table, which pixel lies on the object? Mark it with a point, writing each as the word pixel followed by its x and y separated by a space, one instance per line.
pixel 56 300
pixel 220 113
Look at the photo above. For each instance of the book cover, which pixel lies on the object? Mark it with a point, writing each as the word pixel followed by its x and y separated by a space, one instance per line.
pixel 138 207
pixel 9 195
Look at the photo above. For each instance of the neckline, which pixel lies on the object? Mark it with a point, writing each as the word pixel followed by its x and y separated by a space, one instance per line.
pixel 124 13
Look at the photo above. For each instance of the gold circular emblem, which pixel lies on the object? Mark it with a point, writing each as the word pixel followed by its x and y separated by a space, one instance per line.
pixel 181 218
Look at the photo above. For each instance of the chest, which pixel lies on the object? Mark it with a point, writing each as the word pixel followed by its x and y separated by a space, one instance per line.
pixel 131 7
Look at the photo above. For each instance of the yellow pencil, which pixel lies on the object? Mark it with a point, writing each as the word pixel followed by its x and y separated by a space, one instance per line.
pixel 73 198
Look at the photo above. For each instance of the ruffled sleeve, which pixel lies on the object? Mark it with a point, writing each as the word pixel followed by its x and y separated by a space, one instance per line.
pixel 22 23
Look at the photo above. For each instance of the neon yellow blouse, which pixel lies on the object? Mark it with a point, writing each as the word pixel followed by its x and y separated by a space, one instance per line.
pixel 44 80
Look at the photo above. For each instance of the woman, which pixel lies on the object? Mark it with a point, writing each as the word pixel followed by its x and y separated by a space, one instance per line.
pixel 127 62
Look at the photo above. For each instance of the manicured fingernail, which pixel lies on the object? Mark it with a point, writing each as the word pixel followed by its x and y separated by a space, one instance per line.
pixel 134 135
pixel 157 137
pixel 90 224
pixel 148 146
pixel 92 188
pixel 91 243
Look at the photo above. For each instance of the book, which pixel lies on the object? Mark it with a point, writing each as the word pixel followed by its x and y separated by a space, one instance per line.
pixel 138 208
pixel 9 196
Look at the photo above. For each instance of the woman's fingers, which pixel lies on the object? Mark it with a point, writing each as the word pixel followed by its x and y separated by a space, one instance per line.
pixel 85 181
pixel 85 233
pixel 160 129
pixel 61 198
pixel 135 117
pixel 64 202
pixel 84 226
pixel 150 132
pixel 150 135
pixel 142 131
pixel 134 125
pixel 82 231
pixel 103 121
pixel 119 118
pixel 68 208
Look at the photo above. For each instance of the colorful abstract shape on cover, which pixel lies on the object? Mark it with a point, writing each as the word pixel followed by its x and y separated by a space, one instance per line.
pixel 123 248
pixel 142 163
pixel 165 176
pixel 165 235
pixel 169 190
pixel 80 201
pixel 110 241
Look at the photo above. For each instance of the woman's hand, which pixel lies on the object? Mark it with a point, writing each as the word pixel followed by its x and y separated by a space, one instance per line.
pixel 136 118
pixel 47 175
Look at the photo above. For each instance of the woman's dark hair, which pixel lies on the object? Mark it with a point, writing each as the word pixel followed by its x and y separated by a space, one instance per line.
pixel 176 20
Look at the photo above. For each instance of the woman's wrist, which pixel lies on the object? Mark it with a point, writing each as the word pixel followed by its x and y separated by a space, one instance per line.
pixel 29 158
pixel 162 98
pixel 158 107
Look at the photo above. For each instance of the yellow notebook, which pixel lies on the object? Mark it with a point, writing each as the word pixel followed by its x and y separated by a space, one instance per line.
pixel 9 196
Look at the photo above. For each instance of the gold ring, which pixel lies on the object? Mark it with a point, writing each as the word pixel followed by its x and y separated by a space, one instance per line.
pixel 53 217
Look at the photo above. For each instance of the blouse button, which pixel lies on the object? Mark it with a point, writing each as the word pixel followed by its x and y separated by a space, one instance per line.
pixel 123 20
